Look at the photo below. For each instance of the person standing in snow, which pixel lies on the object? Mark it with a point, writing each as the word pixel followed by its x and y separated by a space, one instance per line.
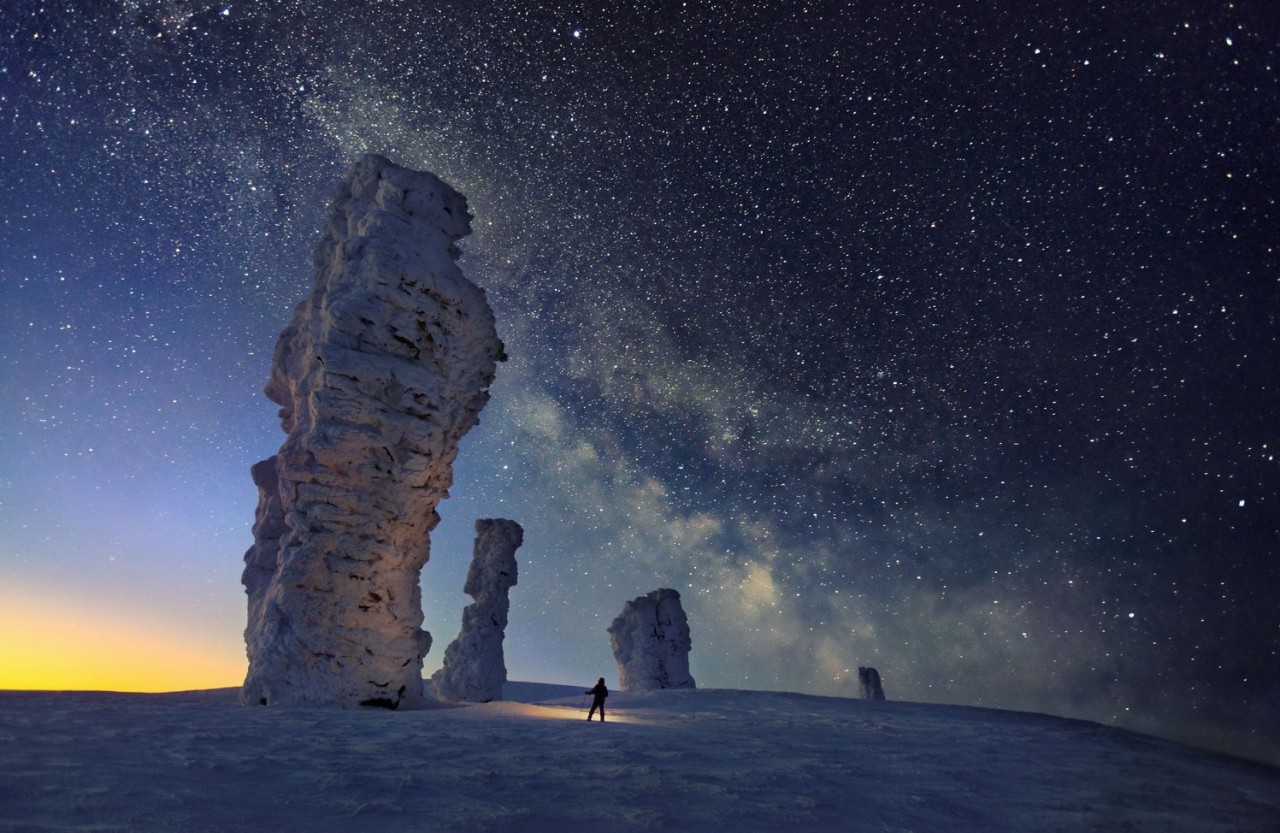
pixel 600 693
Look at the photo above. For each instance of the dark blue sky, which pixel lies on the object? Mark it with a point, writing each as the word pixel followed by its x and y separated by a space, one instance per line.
pixel 940 339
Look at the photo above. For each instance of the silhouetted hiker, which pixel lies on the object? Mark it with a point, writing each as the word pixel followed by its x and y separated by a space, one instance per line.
pixel 600 693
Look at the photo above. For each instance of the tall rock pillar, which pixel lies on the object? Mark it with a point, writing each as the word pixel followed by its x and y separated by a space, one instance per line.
pixel 474 668
pixel 380 373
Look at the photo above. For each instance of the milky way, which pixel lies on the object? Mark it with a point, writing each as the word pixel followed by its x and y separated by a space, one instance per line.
pixel 937 340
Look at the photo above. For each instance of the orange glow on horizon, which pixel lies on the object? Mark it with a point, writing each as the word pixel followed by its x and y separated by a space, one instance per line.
pixel 42 649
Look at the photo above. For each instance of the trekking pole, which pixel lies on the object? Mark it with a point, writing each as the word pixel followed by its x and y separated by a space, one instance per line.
pixel 582 705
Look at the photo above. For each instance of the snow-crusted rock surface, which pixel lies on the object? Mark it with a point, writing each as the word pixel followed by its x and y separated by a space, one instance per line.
pixel 383 369
pixel 474 669
pixel 869 683
pixel 651 643
pixel 268 525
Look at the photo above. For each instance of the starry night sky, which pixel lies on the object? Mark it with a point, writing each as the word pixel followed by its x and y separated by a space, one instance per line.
pixel 936 338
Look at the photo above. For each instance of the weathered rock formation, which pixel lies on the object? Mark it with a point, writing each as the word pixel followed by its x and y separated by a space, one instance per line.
pixel 651 643
pixel 869 683
pixel 383 369
pixel 268 525
pixel 473 668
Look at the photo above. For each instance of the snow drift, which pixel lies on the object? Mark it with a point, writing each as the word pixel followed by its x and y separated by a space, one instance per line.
pixel 689 760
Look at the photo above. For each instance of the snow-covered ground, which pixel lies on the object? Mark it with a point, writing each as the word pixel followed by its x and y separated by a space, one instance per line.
pixel 700 760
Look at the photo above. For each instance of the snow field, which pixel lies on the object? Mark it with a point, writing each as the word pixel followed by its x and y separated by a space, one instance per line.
pixel 666 760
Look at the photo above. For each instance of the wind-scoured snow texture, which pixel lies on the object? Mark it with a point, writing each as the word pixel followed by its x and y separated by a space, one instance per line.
pixel 383 369
pixel 705 761
pixel 651 643
pixel 473 668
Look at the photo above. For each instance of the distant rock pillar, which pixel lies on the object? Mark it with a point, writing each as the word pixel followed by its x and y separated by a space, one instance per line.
pixel 261 560
pixel 382 370
pixel 651 643
pixel 474 669
pixel 869 683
